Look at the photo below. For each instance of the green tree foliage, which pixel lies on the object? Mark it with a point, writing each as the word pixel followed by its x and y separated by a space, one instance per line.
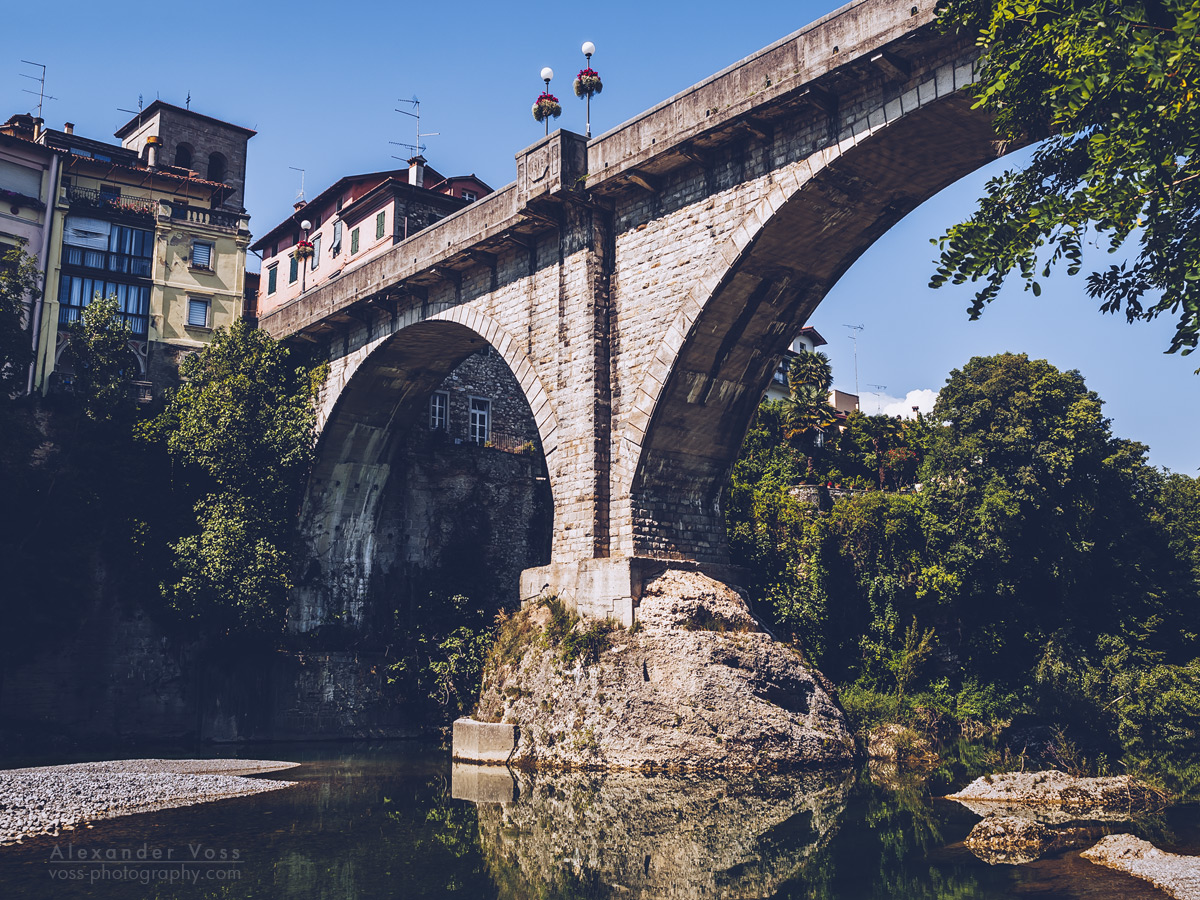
pixel 20 283
pixel 1044 566
pixel 1111 91
pixel 445 644
pixel 241 430
pixel 102 361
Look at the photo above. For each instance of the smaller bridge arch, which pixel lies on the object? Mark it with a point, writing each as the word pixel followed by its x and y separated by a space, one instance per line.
pixel 376 400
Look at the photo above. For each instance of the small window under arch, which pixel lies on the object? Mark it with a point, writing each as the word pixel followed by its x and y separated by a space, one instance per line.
pixel 183 156
pixel 216 167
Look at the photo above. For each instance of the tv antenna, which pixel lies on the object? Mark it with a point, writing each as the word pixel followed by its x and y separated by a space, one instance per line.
pixel 854 329
pixel 416 147
pixel 299 196
pixel 879 389
pixel 41 80
pixel 137 112
pixel 187 104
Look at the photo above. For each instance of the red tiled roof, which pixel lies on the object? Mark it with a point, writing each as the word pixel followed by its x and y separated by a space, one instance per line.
pixel 141 170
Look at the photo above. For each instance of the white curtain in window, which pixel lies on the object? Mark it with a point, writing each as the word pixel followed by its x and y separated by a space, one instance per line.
pixel 83 232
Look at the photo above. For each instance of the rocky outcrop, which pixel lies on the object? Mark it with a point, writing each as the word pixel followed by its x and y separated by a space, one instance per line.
pixel 1054 796
pixel 658 836
pixel 696 684
pixel 1175 875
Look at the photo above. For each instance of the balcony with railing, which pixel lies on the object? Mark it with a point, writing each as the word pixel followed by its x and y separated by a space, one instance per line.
pixel 199 215
pixel 91 200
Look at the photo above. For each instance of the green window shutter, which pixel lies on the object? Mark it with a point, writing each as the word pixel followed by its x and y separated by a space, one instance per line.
pixel 354 241
pixel 272 279
pixel 293 271
pixel 379 221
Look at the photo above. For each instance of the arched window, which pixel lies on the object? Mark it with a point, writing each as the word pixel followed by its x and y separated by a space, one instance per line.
pixel 216 167
pixel 183 156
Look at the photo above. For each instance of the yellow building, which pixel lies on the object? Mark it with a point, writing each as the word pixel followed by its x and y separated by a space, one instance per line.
pixel 158 221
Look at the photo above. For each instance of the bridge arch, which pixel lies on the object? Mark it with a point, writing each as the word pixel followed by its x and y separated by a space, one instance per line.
pixel 716 359
pixel 376 401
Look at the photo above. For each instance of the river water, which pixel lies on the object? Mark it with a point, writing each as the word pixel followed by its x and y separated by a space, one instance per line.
pixel 395 821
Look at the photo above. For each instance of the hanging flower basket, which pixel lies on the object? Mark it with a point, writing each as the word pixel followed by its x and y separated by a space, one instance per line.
pixel 588 83
pixel 547 107
pixel 304 249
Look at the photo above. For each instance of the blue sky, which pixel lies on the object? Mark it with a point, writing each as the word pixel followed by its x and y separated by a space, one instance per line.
pixel 320 82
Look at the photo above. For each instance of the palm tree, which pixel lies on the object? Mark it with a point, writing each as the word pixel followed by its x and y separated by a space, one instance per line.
pixel 807 410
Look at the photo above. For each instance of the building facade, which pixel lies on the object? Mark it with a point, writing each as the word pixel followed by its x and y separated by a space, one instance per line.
pixel 138 220
pixel 354 220
pixel 807 341
pixel 28 179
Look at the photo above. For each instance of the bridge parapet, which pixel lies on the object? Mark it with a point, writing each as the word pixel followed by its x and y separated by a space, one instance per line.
pixel 554 165
pixel 790 72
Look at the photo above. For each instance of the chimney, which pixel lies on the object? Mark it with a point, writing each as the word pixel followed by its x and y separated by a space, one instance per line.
pixel 153 145
pixel 69 127
pixel 20 125
pixel 416 171
pixel 37 127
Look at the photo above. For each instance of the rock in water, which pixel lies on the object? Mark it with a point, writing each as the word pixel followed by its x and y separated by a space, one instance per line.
pixel 1009 839
pixel 696 684
pixel 1175 875
pixel 1110 797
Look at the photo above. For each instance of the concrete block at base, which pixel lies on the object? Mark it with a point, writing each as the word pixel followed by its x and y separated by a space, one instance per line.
pixel 482 784
pixel 483 742
pixel 610 588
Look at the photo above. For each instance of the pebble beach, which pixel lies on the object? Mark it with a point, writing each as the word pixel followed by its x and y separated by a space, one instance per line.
pixel 47 800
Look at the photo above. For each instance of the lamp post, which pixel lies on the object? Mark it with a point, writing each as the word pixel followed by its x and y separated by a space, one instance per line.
pixel 588 49
pixel 305 226
pixel 547 74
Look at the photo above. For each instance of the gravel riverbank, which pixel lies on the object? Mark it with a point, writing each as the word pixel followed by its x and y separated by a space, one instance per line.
pixel 51 799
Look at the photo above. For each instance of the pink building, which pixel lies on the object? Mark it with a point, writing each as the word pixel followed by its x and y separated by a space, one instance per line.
pixel 354 220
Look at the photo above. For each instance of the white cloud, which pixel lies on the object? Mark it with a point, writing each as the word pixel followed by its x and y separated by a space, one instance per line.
pixel 873 402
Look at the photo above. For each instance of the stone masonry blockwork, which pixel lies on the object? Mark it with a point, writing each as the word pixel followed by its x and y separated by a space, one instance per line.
pixel 642 286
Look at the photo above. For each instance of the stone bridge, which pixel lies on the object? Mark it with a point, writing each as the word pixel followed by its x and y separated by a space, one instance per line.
pixel 642 287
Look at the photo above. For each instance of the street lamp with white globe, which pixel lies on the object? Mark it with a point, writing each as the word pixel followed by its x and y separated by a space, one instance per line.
pixel 588 82
pixel 547 106
pixel 304 226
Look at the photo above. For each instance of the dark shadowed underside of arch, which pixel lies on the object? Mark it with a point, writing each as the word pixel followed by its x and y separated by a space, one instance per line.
pixel 383 403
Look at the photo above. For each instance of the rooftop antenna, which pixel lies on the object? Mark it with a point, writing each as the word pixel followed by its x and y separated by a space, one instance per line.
pixel 187 104
pixel 879 389
pixel 854 329
pixel 299 196
pixel 41 80
pixel 137 113
pixel 417 148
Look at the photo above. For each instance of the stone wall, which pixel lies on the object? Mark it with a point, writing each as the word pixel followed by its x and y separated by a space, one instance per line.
pixel 120 679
